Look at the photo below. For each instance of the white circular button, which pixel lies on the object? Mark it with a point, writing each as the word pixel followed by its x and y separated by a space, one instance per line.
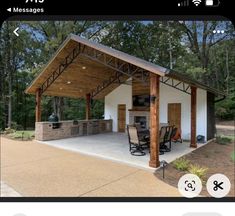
pixel 218 185
pixel 190 185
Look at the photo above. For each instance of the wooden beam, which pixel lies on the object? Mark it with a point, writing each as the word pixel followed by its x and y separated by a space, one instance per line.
pixel 154 120
pixel 38 106
pixel 193 143
pixel 88 106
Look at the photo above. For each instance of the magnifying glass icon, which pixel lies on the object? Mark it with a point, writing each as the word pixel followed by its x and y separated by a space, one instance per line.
pixel 190 186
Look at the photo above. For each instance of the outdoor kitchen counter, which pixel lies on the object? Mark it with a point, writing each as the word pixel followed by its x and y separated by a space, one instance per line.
pixel 66 129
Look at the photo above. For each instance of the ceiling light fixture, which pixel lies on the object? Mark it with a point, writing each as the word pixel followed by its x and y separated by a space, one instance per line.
pixel 83 67
pixel 69 82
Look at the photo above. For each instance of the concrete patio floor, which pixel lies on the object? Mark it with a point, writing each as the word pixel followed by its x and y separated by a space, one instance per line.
pixel 114 146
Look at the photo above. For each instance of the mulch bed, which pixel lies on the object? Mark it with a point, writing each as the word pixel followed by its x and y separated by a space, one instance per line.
pixel 214 156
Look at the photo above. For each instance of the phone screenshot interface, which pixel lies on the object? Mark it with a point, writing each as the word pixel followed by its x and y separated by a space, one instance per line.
pixel 108 108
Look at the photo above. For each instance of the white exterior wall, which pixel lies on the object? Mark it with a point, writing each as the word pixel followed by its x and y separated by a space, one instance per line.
pixel 120 95
pixel 170 95
pixel 123 95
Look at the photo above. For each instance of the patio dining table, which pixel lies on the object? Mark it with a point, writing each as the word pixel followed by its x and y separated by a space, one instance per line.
pixel 144 132
pixel 145 135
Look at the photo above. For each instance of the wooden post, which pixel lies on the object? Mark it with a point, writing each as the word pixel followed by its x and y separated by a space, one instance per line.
pixel 154 120
pixel 38 106
pixel 193 143
pixel 88 106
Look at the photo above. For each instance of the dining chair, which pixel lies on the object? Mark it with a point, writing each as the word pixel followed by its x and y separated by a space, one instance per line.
pixel 135 143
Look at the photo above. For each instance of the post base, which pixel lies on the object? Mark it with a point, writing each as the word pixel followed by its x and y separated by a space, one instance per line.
pixel 193 145
pixel 154 164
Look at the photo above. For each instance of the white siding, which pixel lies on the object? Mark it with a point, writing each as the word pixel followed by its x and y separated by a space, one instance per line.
pixel 123 95
pixel 120 95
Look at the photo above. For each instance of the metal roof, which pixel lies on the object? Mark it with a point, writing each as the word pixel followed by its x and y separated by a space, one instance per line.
pixel 72 40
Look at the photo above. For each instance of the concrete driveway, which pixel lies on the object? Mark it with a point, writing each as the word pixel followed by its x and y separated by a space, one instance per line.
pixel 33 169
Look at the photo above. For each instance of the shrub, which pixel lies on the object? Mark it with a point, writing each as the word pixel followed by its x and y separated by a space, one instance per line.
pixel 14 125
pixel 199 171
pixel 223 140
pixel 9 131
pixel 181 164
pixel 225 109
pixel 24 135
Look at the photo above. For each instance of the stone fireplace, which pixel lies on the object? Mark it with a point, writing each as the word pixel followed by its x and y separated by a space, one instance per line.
pixel 141 117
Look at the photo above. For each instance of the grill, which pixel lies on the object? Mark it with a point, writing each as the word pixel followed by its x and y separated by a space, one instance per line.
pixel 53 118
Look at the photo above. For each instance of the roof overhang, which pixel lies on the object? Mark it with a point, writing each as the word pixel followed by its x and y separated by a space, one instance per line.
pixel 81 66
pixel 90 65
pixel 192 82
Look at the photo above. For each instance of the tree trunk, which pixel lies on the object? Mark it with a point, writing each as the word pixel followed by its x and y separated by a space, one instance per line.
pixel 170 46
pixel 9 72
pixel 25 112
pixel 227 71
pixel 9 101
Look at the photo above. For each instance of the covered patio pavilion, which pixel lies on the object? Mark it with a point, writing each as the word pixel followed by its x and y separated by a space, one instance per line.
pixel 84 69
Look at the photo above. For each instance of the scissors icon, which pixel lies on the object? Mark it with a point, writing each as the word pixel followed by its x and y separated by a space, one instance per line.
pixel 218 185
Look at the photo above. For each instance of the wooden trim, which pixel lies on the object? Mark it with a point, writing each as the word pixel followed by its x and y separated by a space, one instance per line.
pixel 174 114
pixel 38 106
pixel 193 143
pixel 121 119
pixel 154 120
pixel 88 106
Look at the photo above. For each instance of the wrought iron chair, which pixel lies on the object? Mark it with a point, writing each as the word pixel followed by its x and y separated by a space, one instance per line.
pixel 167 139
pixel 162 136
pixel 135 143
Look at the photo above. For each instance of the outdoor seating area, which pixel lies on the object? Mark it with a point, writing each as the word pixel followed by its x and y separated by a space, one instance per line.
pixel 139 139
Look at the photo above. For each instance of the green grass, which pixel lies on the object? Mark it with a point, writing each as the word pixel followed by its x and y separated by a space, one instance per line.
pixel 233 156
pixel 224 140
pixel 25 135
pixel 231 137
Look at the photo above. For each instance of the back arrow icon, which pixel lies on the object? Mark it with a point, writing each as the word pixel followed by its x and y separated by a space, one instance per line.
pixel 15 31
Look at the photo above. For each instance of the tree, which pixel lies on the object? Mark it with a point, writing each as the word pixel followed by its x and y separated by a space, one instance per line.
pixel 189 47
